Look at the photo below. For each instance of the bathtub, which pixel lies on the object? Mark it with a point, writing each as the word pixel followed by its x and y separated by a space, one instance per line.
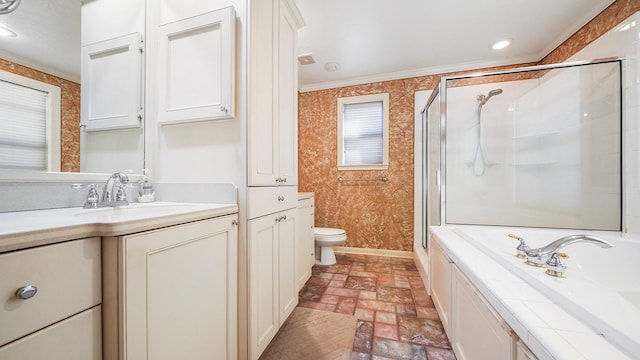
pixel 602 285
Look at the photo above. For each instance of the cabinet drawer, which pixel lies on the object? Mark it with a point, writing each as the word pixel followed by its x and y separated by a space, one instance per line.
pixel 76 338
pixel 271 199
pixel 67 277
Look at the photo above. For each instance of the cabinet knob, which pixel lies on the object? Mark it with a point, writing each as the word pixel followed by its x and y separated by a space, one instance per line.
pixel 26 292
pixel 224 109
pixel 280 198
pixel 234 222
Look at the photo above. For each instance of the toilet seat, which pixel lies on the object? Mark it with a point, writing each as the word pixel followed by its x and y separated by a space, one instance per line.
pixel 329 234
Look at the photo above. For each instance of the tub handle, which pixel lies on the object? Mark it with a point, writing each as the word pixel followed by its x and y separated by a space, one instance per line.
pixel 556 267
pixel 521 250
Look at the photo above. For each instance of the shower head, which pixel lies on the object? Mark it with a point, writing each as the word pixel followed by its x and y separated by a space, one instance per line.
pixel 483 99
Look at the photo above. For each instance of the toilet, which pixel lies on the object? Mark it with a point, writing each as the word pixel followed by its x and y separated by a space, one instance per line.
pixel 326 239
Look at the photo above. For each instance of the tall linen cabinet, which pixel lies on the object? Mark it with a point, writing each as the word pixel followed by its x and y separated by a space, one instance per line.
pixel 272 173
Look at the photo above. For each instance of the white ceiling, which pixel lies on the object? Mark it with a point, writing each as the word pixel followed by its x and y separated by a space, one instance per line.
pixel 372 40
pixel 377 40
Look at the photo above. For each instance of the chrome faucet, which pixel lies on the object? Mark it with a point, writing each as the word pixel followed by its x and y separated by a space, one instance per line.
pixel 120 197
pixel 548 255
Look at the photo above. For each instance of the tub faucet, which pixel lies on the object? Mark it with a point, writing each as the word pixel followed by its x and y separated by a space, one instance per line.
pixel 120 197
pixel 542 257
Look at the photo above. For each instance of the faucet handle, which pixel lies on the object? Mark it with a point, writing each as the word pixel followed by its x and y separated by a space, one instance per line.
pixel 555 266
pixel 121 194
pixel 522 247
pixel 92 195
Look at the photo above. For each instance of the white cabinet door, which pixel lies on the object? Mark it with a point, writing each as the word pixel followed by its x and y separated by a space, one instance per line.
pixel 273 115
pixel 440 279
pixel 196 63
pixel 305 249
pixel 272 286
pixel 179 292
pixel 288 295
pixel 287 92
pixel 477 332
pixel 263 282
pixel 112 84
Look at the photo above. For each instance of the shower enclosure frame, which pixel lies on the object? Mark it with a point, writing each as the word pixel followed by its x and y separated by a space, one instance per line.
pixel 440 92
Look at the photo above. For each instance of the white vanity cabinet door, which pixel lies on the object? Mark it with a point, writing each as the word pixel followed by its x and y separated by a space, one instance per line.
pixel 179 291
pixel 440 278
pixel 112 84
pixel 472 313
pixel 272 287
pixel 273 97
pixel 305 249
pixel 76 338
pixel 288 296
pixel 196 63
pixel 263 255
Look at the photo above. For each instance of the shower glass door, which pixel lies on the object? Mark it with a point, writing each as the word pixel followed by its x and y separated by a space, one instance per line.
pixel 536 147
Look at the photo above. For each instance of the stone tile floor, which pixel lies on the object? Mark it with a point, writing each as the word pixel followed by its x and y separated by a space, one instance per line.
pixel 396 317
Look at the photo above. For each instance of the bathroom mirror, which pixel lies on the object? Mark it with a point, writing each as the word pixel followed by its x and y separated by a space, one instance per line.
pixel 45 36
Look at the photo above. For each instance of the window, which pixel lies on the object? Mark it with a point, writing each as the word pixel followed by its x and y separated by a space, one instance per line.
pixel 363 132
pixel 29 124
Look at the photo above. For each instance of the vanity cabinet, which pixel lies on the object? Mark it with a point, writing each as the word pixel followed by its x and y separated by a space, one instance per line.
pixel 62 320
pixel 475 330
pixel 273 94
pixel 305 243
pixel 171 293
pixel 272 288
pixel 470 313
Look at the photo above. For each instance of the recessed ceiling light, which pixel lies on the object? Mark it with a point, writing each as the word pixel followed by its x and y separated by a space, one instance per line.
pixel 6 32
pixel 499 45
pixel 332 66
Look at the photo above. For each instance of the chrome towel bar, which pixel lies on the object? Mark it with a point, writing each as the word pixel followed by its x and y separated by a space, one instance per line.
pixel 383 179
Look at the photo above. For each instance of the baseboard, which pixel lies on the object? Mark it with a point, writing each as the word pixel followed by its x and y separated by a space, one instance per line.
pixel 375 252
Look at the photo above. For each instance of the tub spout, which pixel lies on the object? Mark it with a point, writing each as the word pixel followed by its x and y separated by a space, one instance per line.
pixel 539 257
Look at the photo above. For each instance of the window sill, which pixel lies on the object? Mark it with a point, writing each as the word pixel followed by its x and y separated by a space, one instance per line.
pixel 363 167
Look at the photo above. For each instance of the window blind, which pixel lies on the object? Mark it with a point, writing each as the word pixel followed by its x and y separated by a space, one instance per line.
pixel 363 125
pixel 23 127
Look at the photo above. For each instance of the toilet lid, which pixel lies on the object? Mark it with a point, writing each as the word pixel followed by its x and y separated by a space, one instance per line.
pixel 321 231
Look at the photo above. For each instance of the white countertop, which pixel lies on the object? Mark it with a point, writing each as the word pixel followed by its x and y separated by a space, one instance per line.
pixel 23 229
pixel 544 326
pixel 304 195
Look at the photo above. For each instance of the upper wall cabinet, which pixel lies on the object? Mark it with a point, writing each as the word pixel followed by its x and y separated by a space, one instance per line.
pixel 196 68
pixel 112 83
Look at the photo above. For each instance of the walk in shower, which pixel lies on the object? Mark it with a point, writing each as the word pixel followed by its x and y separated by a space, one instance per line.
pixel 536 147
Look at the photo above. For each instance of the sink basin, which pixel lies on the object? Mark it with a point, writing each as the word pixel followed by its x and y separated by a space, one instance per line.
pixel 137 210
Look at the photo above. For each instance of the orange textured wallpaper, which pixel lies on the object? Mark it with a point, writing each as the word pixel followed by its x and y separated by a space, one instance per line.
pixel 70 108
pixel 379 215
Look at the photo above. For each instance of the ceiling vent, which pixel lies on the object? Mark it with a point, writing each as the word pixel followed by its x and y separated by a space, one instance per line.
pixel 306 59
